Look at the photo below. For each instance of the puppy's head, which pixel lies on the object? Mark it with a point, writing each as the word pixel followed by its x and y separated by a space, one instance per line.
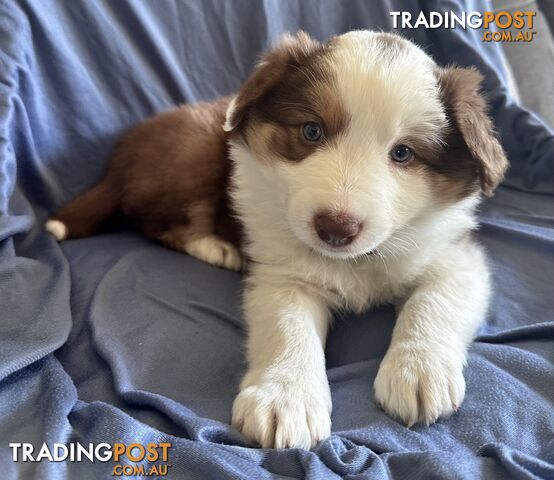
pixel 362 135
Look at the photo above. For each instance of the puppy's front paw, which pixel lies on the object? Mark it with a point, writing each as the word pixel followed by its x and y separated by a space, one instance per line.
pixel 284 413
pixel 420 385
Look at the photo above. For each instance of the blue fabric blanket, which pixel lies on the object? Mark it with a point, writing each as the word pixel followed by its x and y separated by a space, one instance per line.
pixel 116 339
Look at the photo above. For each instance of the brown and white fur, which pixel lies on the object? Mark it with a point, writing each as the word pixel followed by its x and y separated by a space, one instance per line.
pixel 170 174
pixel 407 225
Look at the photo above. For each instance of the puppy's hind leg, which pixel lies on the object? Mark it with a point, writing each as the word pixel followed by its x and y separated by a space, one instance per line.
pixel 197 238
pixel 215 250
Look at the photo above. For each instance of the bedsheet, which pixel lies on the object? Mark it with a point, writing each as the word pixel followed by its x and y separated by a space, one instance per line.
pixel 116 339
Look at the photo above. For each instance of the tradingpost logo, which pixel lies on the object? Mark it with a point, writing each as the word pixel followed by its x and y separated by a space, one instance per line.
pixel 495 24
pixel 128 459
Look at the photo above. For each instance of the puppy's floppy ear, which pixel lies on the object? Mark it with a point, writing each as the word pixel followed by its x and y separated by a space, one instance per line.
pixel 467 110
pixel 289 52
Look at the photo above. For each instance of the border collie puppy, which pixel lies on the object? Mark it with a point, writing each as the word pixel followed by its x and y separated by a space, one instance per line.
pixel 354 169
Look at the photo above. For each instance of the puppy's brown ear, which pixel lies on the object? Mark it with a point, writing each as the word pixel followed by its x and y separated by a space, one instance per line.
pixel 467 110
pixel 288 53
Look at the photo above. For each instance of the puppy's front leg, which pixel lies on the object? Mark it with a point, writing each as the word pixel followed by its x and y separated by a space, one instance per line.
pixel 284 399
pixel 420 378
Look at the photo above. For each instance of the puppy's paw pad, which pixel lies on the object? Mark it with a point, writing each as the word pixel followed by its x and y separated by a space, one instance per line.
pixel 419 386
pixel 279 415
pixel 215 251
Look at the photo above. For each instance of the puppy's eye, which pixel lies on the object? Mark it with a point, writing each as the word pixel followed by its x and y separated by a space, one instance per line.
pixel 312 131
pixel 401 153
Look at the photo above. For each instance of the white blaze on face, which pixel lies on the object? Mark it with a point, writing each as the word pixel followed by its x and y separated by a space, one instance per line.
pixel 388 88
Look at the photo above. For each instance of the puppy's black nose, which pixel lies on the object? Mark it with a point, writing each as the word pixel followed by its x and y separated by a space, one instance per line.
pixel 336 230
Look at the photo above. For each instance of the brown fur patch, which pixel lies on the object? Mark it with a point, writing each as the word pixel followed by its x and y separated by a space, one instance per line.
pixel 471 158
pixel 453 173
pixel 163 173
pixel 295 87
pixel 473 154
pixel 270 70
